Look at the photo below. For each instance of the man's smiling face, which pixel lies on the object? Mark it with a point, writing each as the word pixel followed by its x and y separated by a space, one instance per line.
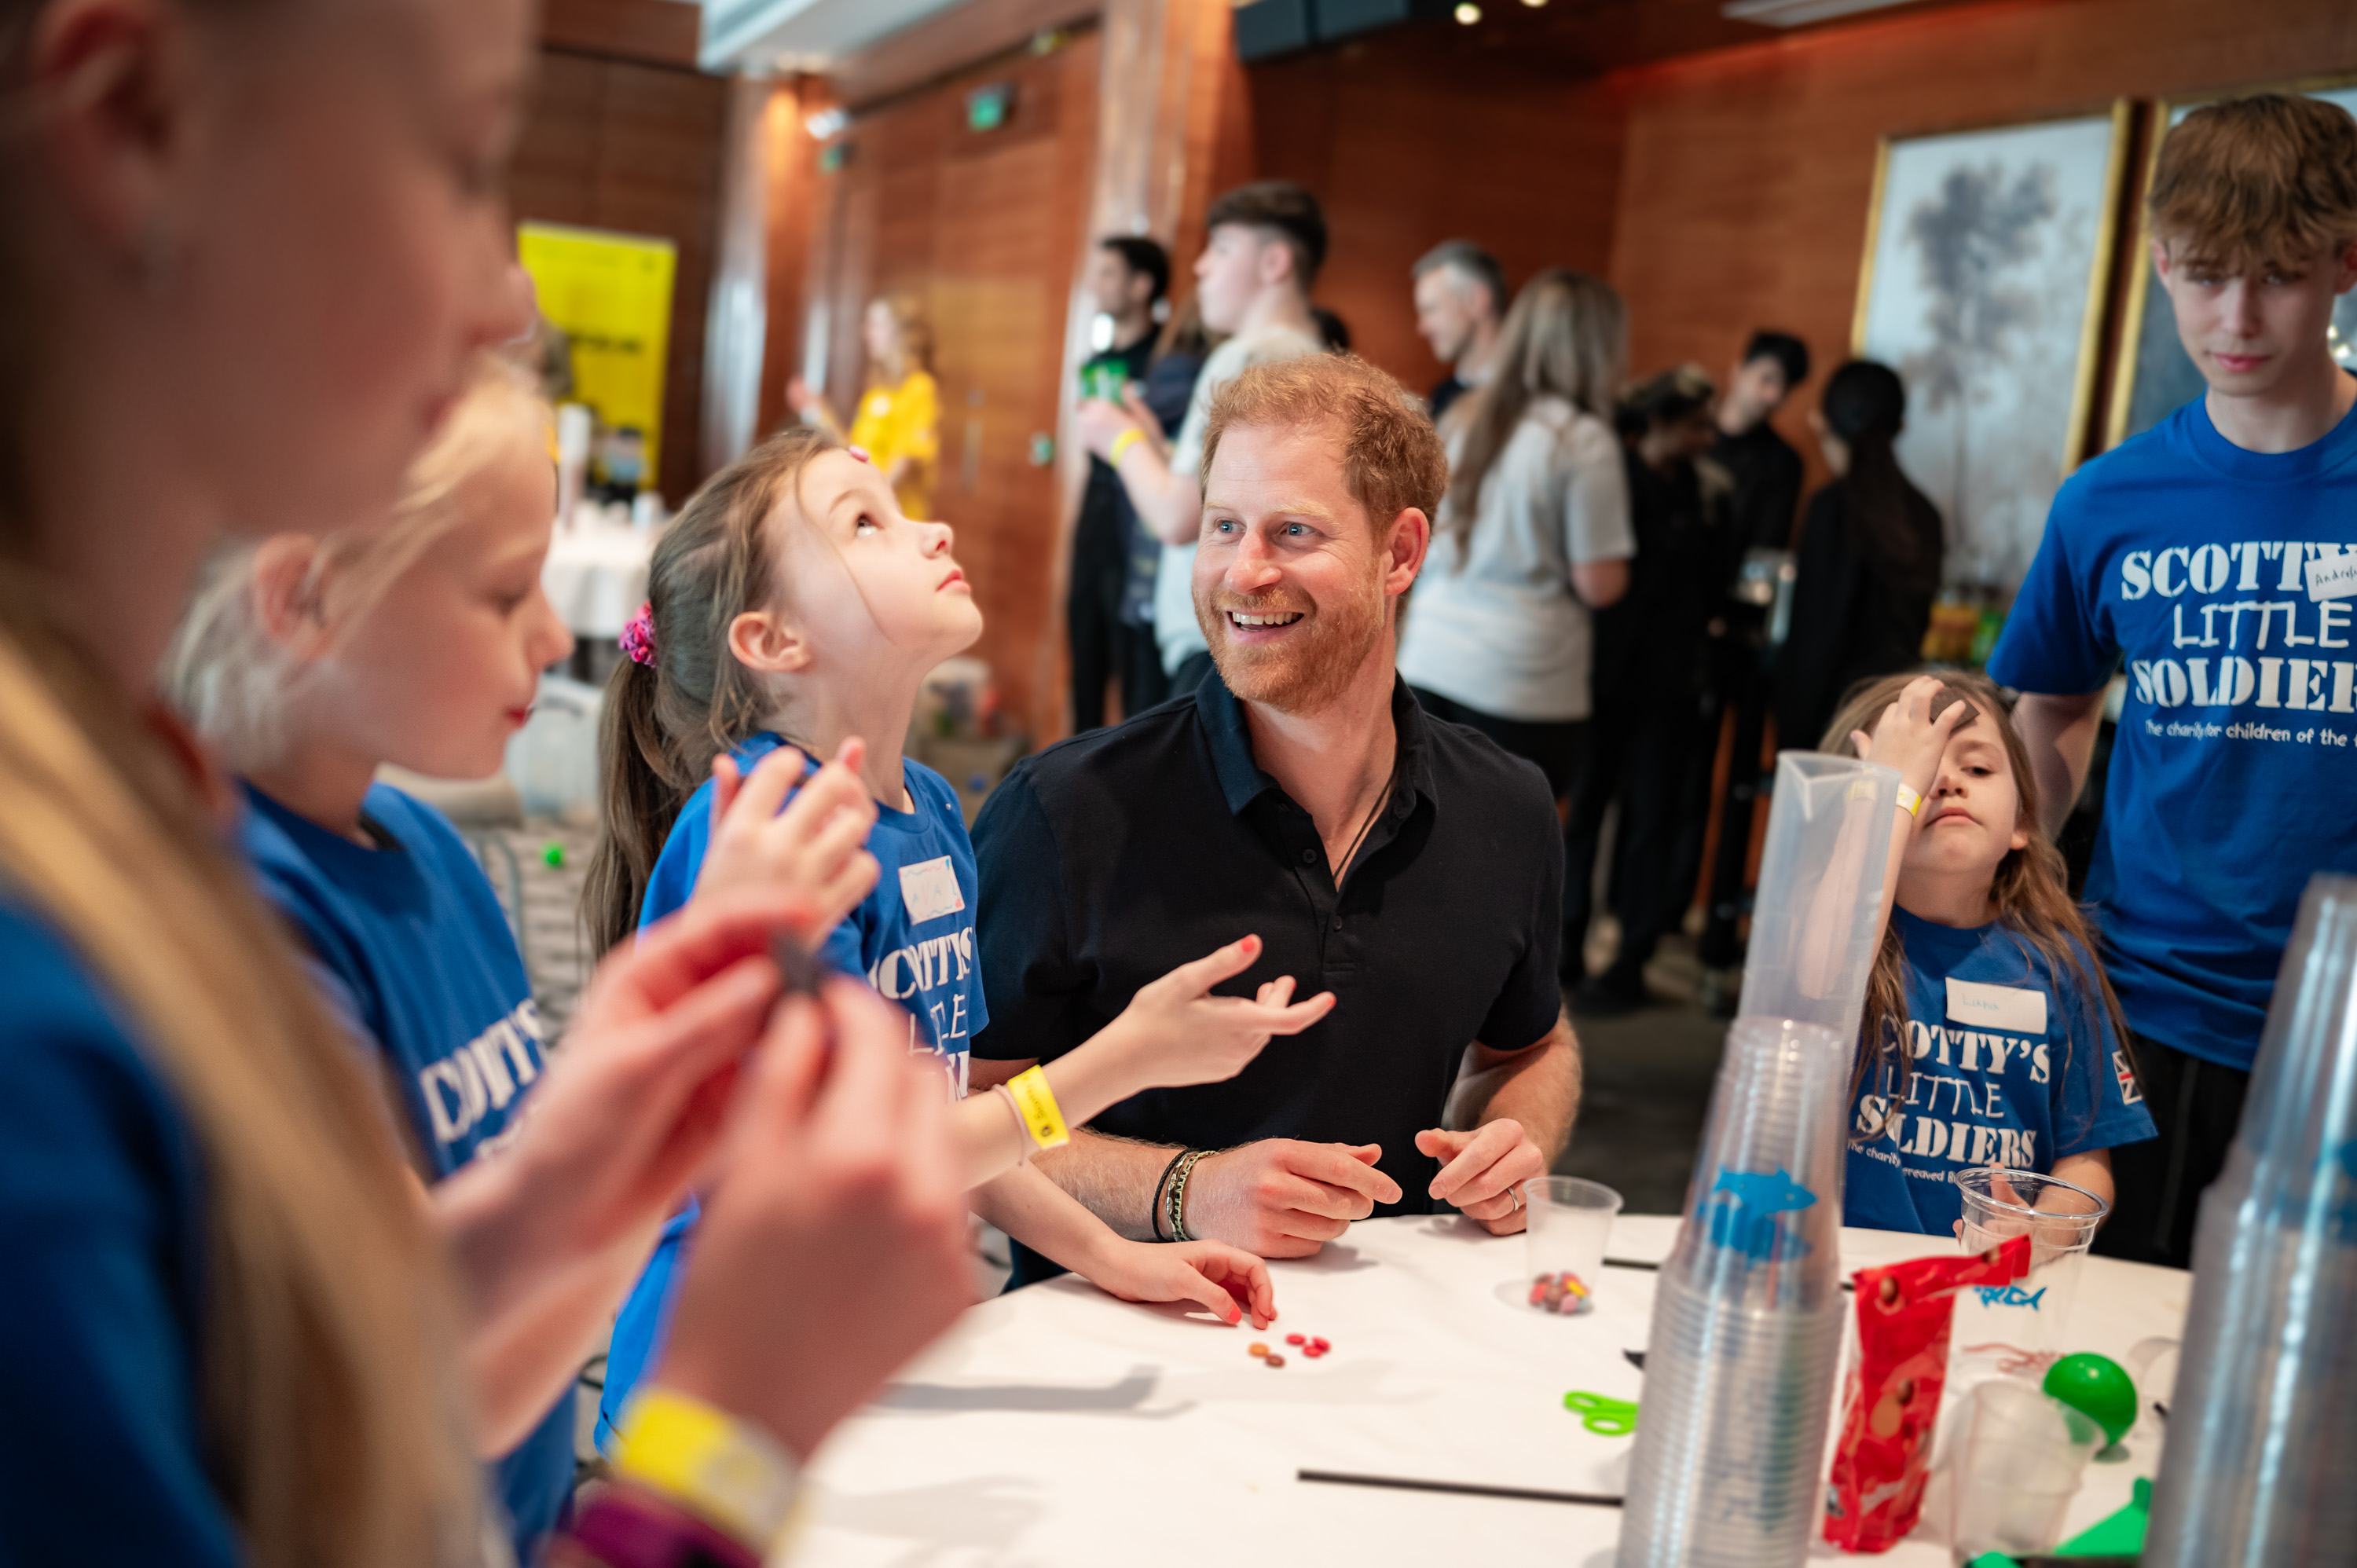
pixel 1291 583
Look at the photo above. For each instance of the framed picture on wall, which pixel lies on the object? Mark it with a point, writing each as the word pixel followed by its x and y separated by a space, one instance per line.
pixel 2154 376
pixel 1988 253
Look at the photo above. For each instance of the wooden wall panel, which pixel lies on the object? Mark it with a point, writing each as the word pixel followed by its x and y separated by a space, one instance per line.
pixel 796 192
pixel 652 32
pixel 1405 147
pixel 1743 198
pixel 984 227
pixel 619 143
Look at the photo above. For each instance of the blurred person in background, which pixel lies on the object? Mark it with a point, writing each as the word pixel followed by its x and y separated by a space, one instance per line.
pixel 1767 473
pixel 1461 293
pixel 1264 242
pixel 1647 737
pixel 1870 556
pixel 900 421
pixel 1765 469
pixel 1534 531
pixel 1159 405
pixel 1128 280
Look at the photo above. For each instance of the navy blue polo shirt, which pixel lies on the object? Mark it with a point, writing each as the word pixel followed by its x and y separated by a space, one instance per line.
pixel 1113 858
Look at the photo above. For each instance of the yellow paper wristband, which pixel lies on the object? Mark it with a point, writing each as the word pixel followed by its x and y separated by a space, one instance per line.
pixel 1122 444
pixel 1036 1102
pixel 1910 803
pixel 707 1461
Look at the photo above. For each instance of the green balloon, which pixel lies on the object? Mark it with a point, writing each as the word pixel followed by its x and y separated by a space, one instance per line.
pixel 2099 1388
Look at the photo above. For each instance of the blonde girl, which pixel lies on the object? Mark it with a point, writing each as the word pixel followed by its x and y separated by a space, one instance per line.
pixel 898 424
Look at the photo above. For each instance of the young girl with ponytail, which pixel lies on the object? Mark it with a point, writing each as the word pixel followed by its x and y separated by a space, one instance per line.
pixel 1991 1037
pixel 308 663
pixel 792 605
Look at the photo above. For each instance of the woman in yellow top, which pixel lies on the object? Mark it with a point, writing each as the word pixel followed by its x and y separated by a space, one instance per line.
pixel 900 421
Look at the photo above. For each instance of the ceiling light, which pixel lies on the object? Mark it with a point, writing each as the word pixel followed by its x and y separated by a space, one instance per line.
pixel 1468 13
pixel 826 124
pixel 1797 13
pixel 1535 5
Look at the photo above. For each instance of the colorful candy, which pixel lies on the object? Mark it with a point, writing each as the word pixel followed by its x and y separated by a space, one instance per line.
pixel 1275 1360
pixel 1563 1293
pixel 1319 1345
pixel 1256 1350
pixel 1294 1339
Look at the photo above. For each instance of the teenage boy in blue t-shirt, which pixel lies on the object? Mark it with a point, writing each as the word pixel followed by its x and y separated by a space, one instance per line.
pixel 2213 554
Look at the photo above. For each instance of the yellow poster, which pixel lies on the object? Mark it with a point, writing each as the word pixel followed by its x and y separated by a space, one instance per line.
pixel 611 292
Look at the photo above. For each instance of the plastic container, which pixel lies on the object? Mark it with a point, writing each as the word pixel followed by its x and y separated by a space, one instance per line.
pixel 1748 1312
pixel 1570 1221
pixel 2023 1327
pixel 2261 1462
pixel 2023 1458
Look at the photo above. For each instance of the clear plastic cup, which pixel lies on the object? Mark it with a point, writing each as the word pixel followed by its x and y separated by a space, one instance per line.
pixel 1571 1220
pixel 2023 1458
pixel 2263 1421
pixel 2021 1327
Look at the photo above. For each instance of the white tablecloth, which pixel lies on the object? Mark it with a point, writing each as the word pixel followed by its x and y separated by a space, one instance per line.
pixel 1057 1426
pixel 595 576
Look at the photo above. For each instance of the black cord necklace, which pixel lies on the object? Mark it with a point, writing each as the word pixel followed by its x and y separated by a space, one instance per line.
pixel 1373 811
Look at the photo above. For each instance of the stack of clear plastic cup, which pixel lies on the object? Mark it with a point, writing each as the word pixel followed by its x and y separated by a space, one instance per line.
pixel 2261 1462
pixel 1747 1311
pixel 2024 1456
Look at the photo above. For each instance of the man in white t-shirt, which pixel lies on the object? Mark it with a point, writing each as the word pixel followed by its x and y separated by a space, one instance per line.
pixel 1264 245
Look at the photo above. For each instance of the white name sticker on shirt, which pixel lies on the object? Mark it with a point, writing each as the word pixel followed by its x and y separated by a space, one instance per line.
pixel 2331 577
pixel 929 890
pixel 1992 1006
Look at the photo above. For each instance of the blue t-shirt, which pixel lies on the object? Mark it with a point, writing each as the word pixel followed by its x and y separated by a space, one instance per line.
pixel 2234 775
pixel 2010 1064
pixel 912 938
pixel 103 1457
pixel 415 954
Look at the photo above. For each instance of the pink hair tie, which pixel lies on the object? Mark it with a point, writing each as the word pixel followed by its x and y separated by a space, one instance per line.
pixel 638 636
pixel 860 453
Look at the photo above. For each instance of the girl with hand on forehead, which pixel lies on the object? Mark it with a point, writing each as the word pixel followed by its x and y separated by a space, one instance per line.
pixel 1991 1036
pixel 793 598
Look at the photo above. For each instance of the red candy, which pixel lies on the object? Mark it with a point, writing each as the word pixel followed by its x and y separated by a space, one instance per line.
pixel 1275 1361
pixel 1294 1339
pixel 1320 1346
pixel 1313 1352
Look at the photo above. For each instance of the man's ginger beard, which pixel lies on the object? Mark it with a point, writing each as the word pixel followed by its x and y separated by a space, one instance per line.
pixel 1314 662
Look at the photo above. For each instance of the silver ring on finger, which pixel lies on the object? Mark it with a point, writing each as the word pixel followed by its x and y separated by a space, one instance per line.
pixel 1516 1194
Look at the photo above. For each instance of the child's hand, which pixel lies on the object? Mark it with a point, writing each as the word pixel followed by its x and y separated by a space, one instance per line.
pixel 816 846
pixel 1174 1032
pixel 1230 1282
pixel 1909 738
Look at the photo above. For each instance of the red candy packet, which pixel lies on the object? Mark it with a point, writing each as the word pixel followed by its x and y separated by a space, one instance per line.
pixel 1874 1492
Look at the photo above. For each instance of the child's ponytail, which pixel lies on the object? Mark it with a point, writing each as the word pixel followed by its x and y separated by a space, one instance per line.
pixel 679 698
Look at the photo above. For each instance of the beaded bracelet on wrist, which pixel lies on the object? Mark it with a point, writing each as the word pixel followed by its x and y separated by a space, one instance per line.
pixel 1154 1213
pixel 1186 1167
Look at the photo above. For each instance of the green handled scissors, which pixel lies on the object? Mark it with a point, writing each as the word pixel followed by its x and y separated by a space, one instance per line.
pixel 1605 1417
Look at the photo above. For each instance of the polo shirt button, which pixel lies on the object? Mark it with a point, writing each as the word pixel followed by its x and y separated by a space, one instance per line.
pixel 1308 857
pixel 1338 922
